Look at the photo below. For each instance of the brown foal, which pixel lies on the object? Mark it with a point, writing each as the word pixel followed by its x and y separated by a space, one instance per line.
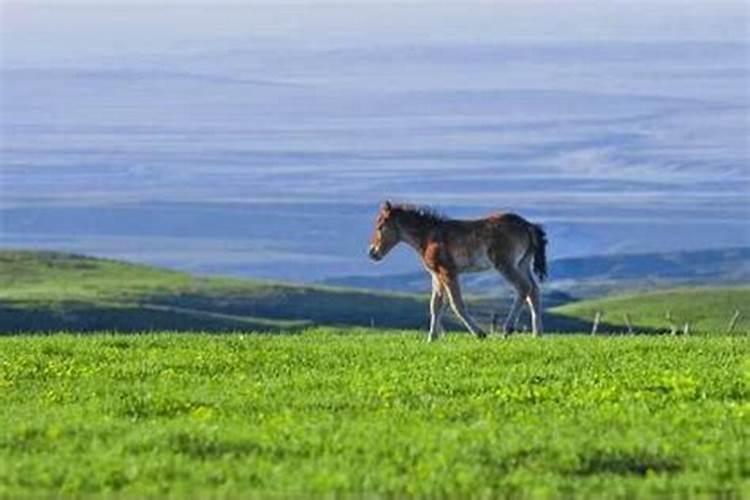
pixel 505 242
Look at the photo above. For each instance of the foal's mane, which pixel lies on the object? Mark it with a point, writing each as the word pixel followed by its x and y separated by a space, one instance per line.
pixel 419 215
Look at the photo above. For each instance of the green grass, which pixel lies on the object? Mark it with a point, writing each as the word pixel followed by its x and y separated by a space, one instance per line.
pixel 53 278
pixel 364 413
pixel 706 309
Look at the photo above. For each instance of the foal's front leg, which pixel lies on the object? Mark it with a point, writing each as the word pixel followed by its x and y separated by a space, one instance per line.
pixel 457 303
pixel 437 306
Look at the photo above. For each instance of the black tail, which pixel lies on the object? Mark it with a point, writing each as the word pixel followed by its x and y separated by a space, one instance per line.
pixel 539 243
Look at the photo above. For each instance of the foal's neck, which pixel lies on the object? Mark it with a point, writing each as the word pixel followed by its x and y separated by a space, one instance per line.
pixel 414 237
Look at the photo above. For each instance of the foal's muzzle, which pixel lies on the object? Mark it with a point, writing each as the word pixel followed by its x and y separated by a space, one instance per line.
pixel 374 254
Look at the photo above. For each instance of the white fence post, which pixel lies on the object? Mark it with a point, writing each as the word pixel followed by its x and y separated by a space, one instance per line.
pixel 733 322
pixel 629 324
pixel 672 325
pixel 595 326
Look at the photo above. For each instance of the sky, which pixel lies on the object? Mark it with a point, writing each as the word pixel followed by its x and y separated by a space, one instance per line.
pixel 112 23
pixel 226 138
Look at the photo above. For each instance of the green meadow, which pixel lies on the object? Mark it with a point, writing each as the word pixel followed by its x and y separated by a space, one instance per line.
pixel 350 412
pixel 126 380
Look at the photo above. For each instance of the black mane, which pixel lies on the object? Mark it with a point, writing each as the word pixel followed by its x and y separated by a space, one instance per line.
pixel 420 214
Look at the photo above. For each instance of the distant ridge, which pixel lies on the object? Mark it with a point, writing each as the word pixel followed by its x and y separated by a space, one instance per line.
pixel 596 275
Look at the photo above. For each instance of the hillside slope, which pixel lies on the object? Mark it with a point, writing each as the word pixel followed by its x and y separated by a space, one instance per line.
pixel 50 291
pixel 705 309
pixel 45 291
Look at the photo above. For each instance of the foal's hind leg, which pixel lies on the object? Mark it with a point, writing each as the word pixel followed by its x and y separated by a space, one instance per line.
pixel 457 303
pixel 534 300
pixel 509 326
pixel 522 286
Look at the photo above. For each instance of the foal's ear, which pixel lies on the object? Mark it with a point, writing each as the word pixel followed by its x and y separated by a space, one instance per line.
pixel 387 205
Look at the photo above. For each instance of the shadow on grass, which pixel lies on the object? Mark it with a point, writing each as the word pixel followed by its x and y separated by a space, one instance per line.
pixel 288 312
pixel 129 319
pixel 314 306
pixel 626 464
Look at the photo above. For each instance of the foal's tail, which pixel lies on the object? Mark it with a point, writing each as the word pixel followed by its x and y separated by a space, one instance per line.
pixel 539 245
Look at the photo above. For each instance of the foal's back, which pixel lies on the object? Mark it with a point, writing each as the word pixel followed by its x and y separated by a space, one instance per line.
pixel 481 244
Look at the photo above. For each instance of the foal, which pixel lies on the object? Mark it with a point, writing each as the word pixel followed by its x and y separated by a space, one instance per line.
pixel 505 242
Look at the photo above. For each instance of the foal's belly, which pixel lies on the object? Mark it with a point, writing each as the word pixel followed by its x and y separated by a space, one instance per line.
pixel 473 263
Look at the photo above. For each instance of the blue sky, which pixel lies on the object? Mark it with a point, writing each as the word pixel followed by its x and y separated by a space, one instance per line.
pixel 226 138
pixel 110 25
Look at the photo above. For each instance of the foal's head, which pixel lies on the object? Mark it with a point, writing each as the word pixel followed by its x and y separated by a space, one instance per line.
pixel 387 233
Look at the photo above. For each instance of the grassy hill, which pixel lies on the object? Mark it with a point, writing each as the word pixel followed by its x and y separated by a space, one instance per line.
pixel 705 309
pixel 50 291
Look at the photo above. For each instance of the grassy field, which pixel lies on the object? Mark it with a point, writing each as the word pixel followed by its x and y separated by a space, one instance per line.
pixel 385 414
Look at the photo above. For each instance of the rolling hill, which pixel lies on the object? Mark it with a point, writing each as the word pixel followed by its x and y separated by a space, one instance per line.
pixel 42 291
pixel 704 309
pixel 52 291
